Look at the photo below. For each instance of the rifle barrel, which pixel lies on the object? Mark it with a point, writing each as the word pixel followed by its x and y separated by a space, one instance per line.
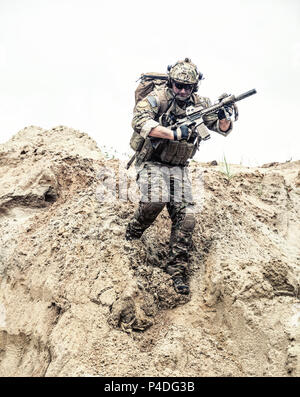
pixel 245 95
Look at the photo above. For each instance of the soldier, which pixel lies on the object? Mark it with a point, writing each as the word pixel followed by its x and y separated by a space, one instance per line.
pixel 161 165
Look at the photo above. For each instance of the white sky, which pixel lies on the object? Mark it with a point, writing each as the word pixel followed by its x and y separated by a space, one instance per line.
pixel 76 62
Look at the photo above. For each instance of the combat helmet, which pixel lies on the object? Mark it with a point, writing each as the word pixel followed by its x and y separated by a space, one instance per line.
pixel 184 72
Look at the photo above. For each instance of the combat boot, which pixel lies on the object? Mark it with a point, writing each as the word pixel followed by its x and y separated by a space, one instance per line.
pixel 180 285
pixel 133 233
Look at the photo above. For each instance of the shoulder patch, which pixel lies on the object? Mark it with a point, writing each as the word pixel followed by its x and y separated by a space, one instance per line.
pixel 142 104
pixel 152 100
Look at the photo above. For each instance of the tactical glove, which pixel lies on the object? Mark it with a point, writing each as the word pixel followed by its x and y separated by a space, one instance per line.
pixel 181 132
pixel 225 112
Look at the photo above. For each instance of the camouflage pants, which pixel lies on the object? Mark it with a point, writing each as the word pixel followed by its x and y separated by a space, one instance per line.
pixel 169 186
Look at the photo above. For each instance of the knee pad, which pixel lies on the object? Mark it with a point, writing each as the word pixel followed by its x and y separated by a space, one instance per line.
pixel 188 223
pixel 148 212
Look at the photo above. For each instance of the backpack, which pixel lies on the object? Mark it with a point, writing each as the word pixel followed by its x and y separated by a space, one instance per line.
pixel 149 81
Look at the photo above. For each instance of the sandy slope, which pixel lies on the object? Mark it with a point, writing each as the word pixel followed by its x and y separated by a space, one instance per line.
pixel 77 299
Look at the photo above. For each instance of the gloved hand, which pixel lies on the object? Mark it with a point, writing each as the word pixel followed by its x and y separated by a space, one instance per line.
pixel 225 112
pixel 181 132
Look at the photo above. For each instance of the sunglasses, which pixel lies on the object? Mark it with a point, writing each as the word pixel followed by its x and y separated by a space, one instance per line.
pixel 187 87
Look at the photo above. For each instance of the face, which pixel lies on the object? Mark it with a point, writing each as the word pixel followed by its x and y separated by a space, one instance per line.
pixel 182 91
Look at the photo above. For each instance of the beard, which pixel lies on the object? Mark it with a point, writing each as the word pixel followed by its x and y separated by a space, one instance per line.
pixel 182 99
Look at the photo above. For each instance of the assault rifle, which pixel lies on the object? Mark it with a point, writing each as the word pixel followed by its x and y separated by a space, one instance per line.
pixel 194 116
